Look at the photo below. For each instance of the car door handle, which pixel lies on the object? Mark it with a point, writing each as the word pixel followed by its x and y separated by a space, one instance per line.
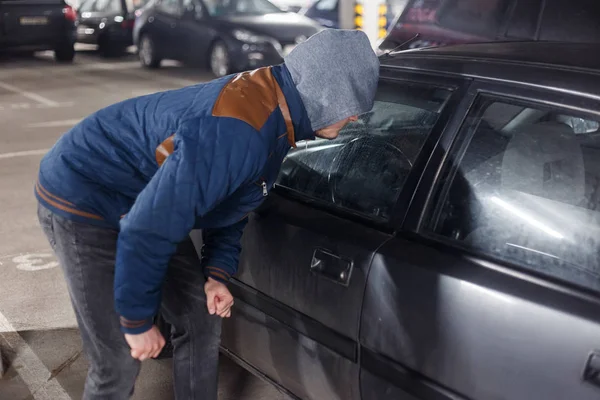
pixel 591 373
pixel 332 266
pixel 173 25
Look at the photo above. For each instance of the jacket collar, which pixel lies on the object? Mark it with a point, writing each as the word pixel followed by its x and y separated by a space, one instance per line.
pixel 299 118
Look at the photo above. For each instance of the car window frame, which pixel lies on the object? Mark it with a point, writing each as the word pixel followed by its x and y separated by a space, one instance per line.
pixel 458 86
pixel 415 225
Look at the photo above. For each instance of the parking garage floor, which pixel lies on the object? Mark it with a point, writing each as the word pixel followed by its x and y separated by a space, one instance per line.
pixel 39 341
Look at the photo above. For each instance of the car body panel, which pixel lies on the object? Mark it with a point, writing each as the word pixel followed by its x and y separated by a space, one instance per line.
pixel 34 24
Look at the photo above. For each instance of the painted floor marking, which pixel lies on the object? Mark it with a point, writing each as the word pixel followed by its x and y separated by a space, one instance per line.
pixel 29 95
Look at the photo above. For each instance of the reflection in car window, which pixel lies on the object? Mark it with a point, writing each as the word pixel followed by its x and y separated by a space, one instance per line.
pixel 169 7
pixel 240 7
pixel 527 191
pixel 105 6
pixel 480 17
pixel 326 5
pixel 364 169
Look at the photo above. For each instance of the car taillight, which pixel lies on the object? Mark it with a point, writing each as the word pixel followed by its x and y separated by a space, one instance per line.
pixel 127 24
pixel 70 13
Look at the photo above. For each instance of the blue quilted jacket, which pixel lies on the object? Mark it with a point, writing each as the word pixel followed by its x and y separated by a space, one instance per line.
pixel 156 167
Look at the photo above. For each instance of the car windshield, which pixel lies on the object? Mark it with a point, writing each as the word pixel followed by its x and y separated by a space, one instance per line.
pixel 218 8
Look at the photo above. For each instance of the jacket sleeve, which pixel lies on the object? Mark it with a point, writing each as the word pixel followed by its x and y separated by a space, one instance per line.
pixel 209 162
pixel 221 250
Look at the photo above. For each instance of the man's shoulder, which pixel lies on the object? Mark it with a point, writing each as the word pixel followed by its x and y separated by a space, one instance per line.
pixel 249 97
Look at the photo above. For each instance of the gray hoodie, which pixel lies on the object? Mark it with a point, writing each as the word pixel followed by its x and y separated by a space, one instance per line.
pixel 336 72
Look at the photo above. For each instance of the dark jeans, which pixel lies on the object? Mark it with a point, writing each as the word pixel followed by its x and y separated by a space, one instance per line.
pixel 87 256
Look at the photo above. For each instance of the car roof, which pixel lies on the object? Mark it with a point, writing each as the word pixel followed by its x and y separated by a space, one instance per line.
pixel 553 65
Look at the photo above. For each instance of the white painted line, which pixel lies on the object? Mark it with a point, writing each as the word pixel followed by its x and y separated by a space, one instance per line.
pixel 31 369
pixel 29 95
pixel 54 124
pixel 24 153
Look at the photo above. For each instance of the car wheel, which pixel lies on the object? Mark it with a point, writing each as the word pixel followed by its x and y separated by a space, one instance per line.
pixel 219 60
pixel 147 53
pixel 65 53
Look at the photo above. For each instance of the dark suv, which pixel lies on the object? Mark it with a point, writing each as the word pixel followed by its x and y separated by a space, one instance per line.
pixel 32 25
pixel 445 246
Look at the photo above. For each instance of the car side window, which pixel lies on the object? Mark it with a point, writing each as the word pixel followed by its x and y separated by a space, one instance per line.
pixel 524 187
pixel 364 169
pixel 170 7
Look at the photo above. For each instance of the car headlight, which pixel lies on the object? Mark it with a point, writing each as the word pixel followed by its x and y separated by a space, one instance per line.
pixel 249 37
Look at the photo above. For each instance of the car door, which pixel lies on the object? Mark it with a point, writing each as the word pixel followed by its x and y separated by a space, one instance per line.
pixel 307 250
pixel 194 32
pixel 165 24
pixel 491 290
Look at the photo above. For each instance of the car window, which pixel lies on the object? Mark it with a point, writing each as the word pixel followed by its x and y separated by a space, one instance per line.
pixel 479 17
pixel 170 7
pixel 326 5
pixel 133 5
pixel 526 189
pixel 364 169
pixel 105 6
pixel 240 7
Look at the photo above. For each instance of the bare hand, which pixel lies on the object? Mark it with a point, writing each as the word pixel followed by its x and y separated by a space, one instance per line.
pixel 218 298
pixel 146 345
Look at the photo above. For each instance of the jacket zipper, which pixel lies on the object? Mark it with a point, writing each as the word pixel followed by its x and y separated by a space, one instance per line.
pixel 264 188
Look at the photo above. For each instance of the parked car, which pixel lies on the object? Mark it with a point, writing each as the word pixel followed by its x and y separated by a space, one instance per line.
pixel 442 22
pixel 35 25
pixel 108 24
pixel 445 246
pixel 226 35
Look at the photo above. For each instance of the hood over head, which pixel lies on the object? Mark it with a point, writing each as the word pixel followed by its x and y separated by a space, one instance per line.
pixel 336 73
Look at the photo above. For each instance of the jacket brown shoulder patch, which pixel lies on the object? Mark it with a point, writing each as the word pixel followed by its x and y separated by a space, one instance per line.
pixel 250 97
pixel 164 150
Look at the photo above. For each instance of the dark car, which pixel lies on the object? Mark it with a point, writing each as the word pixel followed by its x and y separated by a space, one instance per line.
pixel 108 24
pixel 445 246
pixel 227 35
pixel 35 25
pixel 442 22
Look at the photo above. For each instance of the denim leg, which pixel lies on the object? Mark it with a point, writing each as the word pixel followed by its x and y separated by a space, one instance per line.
pixel 87 257
pixel 195 333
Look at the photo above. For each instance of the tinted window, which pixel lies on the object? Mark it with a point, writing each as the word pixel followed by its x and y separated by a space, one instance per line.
pixel 364 169
pixel 169 7
pixel 573 21
pixel 233 7
pixel 327 5
pixel 526 189
pixel 479 17
pixel 105 6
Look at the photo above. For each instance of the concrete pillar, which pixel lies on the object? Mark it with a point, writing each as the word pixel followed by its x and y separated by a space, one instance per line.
pixel 347 14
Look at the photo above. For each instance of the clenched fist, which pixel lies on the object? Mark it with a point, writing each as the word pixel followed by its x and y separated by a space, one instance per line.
pixel 218 298
pixel 146 345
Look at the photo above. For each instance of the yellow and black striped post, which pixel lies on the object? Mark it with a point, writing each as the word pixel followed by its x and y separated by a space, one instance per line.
pixel 370 16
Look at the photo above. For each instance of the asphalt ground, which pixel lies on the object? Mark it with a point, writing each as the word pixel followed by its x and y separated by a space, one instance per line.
pixel 39 340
